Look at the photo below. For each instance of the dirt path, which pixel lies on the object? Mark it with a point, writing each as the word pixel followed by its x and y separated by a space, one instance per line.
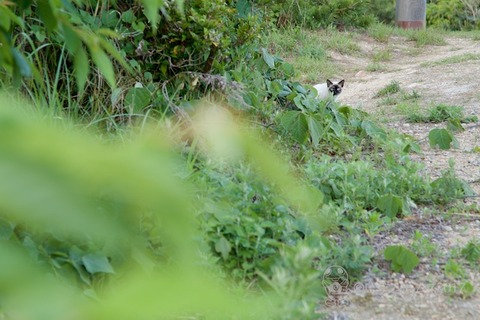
pixel 447 74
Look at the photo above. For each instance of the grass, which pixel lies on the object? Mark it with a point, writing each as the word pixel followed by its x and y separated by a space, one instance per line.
pixel 453 60
pixel 341 42
pixel 422 37
pixel 380 32
pixel 439 113
pixel 471 34
pixel 295 42
pixel 382 55
pixel 392 88
pixel 375 66
pixel 308 50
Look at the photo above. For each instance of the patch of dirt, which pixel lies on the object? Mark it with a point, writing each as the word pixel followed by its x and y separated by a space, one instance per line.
pixel 420 295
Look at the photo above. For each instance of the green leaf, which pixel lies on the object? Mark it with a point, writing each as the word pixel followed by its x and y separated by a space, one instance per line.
pixel 4 18
pixel 223 247
pixel 151 11
pixel 128 16
pixel 295 123
pixel 109 48
pixel 455 125
pixel 402 258
pixel 315 128
pixel 137 99
pixel 97 263
pixel 47 15
pixel 6 230
pixel 244 8
pixel 441 138
pixel 23 4
pixel 104 64
pixel 72 40
pixel 373 131
pixel 268 58
pixel 390 205
pixel 21 64
pixel 82 68
pixel 110 19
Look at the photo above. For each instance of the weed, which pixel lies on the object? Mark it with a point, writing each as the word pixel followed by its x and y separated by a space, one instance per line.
pixel 380 32
pixel 452 60
pixel 423 37
pixel 374 67
pixel 440 113
pixel 423 246
pixel 471 252
pixel 383 55
pixel 454 270
pixel 341 42
pixel 392 88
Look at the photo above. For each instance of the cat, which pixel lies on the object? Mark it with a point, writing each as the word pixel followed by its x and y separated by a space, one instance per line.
pixel 324 90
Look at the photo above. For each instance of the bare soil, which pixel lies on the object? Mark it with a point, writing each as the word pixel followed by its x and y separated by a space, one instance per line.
pixel 420 295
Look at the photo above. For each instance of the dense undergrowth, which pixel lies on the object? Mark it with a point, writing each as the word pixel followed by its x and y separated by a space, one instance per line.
pixel 174 158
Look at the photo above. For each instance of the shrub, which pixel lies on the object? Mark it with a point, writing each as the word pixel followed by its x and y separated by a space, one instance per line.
pixel 453 14
pixel 321 13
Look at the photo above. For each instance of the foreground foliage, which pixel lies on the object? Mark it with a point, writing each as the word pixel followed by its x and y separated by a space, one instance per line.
pixel 234 169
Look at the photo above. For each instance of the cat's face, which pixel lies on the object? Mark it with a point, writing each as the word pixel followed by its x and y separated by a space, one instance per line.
pixel 335 88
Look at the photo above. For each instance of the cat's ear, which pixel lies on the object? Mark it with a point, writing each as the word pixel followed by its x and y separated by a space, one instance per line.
pixel 329 83
pixel 341 83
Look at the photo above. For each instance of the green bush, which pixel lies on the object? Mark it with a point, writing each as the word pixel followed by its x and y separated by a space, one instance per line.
pixel 384 10
pixel 321 13
pixel 453 14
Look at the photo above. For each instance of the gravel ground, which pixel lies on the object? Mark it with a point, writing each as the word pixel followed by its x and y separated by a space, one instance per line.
pixel 420 295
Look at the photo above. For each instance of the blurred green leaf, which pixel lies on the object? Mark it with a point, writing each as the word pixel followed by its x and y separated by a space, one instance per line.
pixel 103 64
pixel 402 258
pixel 46 13
pixel 82 68
pixel 441 138
pixel 97 263
pixel 137 99
pixel 295 123
pixel 391 205
pixel 223 247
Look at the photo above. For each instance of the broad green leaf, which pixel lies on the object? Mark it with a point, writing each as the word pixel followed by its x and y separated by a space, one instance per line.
pixel 7 15
pixel 244 8
pixel 5 19
pixel 21 64
pixel 373 131
pixel 23 4
pixel 128 16
pixel 6 230
pixel 294 122
pixel 441 138
pixel 390 205
pixel 315 128
pixel 455 125
pixel 110 19
pixel 97 263
pixel 47 15
pixel 82 68
pixel 109 48
pixel 268 58
pixel 72 40
pixel 104 64
pixel 223 247
pixel 299 88
pixel 137 99
pixel 402 258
